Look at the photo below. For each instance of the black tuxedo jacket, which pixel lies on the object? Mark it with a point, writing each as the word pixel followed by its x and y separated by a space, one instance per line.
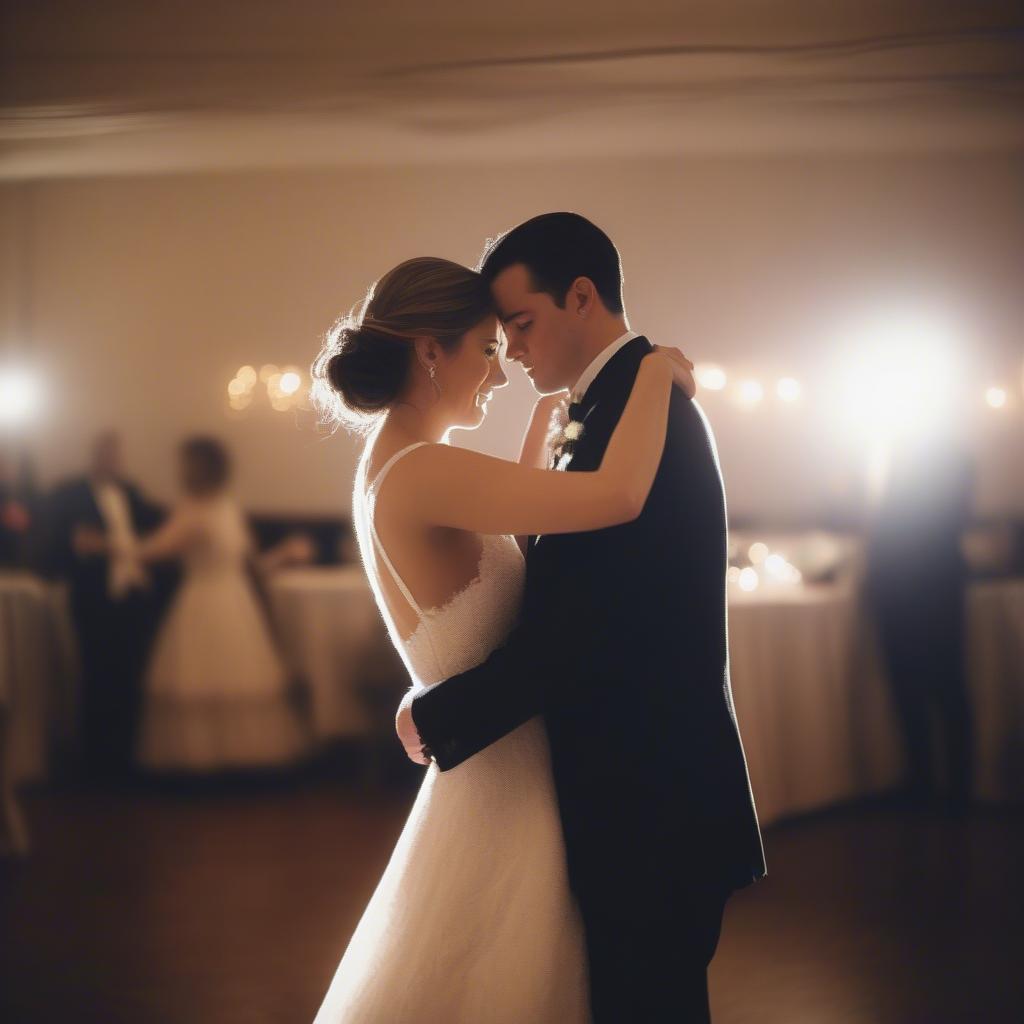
pixel 72 504
pixel 622 646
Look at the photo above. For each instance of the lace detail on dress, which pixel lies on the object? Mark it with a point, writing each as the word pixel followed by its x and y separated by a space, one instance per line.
pixel 461 632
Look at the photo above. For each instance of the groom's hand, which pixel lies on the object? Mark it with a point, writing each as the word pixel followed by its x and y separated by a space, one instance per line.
pixel 406 729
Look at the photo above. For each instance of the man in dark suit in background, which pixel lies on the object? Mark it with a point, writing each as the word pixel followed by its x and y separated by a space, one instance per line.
pixel 622 646
pixel 917 587
pixel 112 602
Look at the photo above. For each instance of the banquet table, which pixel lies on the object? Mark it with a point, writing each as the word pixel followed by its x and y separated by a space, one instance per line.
pixel 811 699
pixel 995 670
pixel 333 636
pixel 814 715
pixel 38 671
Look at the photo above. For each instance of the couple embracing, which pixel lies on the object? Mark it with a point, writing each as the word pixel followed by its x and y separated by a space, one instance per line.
pixel 586 811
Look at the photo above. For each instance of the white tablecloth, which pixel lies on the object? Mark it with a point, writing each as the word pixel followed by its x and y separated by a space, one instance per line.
pixel 38 670
pixel 811 697
pixel 815 718
pixel 814 711
pixel 995 661
pixel 332 632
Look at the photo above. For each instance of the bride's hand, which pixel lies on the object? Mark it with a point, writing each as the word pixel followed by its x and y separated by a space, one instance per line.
pixel 682 369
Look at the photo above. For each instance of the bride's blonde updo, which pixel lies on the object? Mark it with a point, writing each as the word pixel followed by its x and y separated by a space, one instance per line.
pixel 365 360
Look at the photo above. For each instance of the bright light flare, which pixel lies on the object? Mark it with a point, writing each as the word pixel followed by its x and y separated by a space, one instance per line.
pixel 898 378
pixel 748 579
pixel 788 389
pixel 289 383
pixel 20 396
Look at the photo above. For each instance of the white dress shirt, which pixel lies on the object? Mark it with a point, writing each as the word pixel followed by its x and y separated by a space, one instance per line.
pixel 598 364
pixel 124 569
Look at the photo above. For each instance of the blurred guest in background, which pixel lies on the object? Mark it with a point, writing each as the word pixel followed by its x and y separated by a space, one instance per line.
pixel 917 587
pixel 113 609
pixel 16 512
pixel 216 691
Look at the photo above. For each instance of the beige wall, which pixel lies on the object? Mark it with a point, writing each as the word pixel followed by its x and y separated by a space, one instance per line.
pixel 148 293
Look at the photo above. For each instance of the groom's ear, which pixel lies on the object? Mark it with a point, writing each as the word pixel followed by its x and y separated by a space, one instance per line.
pixel 581 297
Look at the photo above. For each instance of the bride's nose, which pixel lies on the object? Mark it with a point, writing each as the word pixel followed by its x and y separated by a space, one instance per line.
pixel 498 378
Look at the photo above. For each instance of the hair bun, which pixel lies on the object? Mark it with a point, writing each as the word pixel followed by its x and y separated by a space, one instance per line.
pixel 365 367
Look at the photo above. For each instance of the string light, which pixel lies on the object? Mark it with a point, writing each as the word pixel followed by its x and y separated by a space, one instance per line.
pixel 750 392
pixel 995 398
pixel 283 387
pixel 710 377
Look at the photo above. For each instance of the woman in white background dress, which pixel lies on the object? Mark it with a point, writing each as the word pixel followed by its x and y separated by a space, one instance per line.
pixel 216 693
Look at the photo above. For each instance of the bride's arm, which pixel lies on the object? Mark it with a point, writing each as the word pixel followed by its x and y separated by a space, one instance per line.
pixel 463 489
pixel 169 540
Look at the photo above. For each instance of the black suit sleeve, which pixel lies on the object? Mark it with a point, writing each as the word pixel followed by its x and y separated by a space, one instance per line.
pixel 462 715
pixel 146 514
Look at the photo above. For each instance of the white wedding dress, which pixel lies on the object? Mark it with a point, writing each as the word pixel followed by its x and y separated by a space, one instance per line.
pixel 216 691
pixel 472 921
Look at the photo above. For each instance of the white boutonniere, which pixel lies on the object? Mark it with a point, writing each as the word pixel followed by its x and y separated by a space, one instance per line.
pixel 563 436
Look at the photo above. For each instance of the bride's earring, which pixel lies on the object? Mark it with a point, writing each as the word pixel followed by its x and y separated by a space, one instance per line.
pixel 432 370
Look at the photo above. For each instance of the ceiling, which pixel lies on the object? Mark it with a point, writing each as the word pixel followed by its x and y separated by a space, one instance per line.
pixel 126 87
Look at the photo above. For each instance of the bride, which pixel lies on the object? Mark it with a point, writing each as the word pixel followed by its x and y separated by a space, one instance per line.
pixel 473 919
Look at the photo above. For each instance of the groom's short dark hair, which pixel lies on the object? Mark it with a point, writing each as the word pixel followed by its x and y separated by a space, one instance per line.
pixel 556 248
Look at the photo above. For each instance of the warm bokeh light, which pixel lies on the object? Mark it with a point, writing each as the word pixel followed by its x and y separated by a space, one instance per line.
pixel 898 375
pixel 748 579
pixel 758 552
pixel 20 396
pixel 710 377
pixel 995 398
pixel 283 387
pixel 750 392
pixel 788 389
pixel 780 570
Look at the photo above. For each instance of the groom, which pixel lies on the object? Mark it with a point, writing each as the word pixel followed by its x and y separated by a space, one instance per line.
pixel 622 646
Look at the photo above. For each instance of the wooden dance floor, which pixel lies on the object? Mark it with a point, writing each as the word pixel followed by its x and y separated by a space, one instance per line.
pixel 233 906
